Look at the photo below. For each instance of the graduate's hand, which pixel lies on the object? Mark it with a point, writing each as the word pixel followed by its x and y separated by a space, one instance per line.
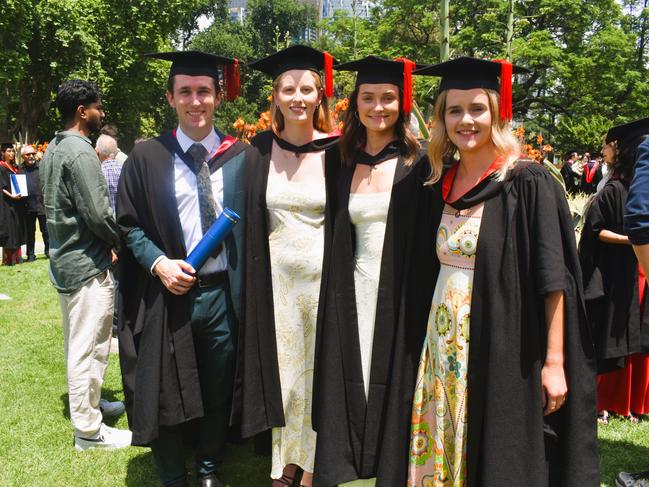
pixel 113 257
pixel 176 275
pixel 555 387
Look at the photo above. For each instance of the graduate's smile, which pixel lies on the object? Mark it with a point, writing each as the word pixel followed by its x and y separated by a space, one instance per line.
pixel 194 99
pixel 468 118
pixel 297 95
pixel 298 109
pixel 378 105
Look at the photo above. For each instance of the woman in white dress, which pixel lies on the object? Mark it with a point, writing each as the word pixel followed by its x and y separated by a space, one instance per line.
pixel 363 366
pixel 286 233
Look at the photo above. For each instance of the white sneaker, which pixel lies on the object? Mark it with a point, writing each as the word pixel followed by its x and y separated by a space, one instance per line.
pixel 110 409
pixel 106 437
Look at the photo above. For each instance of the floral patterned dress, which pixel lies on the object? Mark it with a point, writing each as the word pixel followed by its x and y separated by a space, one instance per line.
pixel 296 244
pixel 439 418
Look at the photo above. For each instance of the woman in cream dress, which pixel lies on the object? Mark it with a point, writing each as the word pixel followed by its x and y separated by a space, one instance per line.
pixel 288 177
pixel 364 363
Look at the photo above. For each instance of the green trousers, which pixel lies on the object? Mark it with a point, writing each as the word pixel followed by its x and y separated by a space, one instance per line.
pixel 212 325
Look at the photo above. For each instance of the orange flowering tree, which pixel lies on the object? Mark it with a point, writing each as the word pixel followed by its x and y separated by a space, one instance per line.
pixel 532 144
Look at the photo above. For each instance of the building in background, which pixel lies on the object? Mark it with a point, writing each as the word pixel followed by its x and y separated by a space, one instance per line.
pixel 325 9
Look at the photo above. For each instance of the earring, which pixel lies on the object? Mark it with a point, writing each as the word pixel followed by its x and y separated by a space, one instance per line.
pixel 356 115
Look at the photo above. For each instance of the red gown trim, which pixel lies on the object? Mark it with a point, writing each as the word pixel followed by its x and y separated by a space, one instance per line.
pixel 449 177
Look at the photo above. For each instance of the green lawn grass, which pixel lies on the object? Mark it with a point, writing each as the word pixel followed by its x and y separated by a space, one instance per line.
pixel 36 436
pixel 35 432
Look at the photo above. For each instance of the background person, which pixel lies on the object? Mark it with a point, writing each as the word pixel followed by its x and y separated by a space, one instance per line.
pixel 636 227
pixel 111 131
pixel 83 234
pixel 34 203
pixel 614 289
pixel 106 148
pixel 14 208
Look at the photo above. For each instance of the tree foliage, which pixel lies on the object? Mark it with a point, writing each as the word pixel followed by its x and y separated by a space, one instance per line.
pixel 45 43
pixel 588 58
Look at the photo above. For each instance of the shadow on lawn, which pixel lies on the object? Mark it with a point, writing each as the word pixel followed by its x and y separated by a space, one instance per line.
pixel 140 471
pixel 621 456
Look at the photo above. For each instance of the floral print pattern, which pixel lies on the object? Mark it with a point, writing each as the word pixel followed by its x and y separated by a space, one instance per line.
pixel 296 244
pixel 439 418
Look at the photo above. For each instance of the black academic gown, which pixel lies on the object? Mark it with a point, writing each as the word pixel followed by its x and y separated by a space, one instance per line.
pixel 157 356
pixel 359 437
pixel 257 403
pixel 611 282
pixel 570 178
pixel 526 249
pixel 12 214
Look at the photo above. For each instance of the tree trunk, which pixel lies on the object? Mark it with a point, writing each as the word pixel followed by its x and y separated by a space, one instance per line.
pixel 444 36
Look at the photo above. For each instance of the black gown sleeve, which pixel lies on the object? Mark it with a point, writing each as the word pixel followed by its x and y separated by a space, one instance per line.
pixel 547 208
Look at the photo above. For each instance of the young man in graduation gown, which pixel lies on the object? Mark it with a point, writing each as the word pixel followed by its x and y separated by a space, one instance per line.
pixel 178 324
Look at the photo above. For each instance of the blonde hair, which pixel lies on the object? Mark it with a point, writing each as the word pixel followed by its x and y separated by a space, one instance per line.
pixel 321 118
pixel 354 133
pixel 442 151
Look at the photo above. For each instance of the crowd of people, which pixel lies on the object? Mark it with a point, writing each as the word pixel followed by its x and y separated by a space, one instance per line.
pixel 584 174
pixel 387 312
pixel 22 206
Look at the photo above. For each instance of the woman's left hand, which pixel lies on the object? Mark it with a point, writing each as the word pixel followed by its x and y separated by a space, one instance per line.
pixel 555 387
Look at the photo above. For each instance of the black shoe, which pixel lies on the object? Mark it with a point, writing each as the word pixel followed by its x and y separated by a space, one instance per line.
pixel 625 479
pixel 31 258
pixel 209 480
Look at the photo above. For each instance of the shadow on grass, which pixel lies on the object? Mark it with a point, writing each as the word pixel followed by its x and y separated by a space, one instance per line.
pixel 621 456
pixel 108 394
pixel 241 467
pixel 140 471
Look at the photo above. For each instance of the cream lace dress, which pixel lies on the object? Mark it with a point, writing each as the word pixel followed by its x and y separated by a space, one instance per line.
pixel 368 212
pixel 296 244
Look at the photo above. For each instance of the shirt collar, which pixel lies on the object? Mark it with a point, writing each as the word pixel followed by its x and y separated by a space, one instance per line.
pixel 211 142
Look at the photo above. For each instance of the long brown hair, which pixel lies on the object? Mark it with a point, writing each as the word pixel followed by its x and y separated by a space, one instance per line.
pixel 354 133
pixel 441 150
pixel 321 118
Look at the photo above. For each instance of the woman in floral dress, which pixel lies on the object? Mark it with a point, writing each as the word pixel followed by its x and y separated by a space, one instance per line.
pixel 506 331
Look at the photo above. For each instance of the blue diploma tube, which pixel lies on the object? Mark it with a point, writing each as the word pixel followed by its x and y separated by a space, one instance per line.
pixel 212 238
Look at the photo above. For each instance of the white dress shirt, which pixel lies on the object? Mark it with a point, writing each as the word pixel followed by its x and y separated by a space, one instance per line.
pixel 185 182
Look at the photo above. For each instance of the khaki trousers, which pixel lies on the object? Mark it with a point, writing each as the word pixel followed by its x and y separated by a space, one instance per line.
pixel 87 329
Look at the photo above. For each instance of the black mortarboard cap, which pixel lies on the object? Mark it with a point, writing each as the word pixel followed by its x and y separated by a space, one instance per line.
pixel 466 73
pixel 197 63
pixel 376 70
pixel 298 57
pixel 627 131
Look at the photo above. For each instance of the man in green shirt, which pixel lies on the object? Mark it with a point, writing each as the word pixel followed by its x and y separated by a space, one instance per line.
pixel 83 234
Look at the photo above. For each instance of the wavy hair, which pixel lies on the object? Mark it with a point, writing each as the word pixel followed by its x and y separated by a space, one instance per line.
pixel 442 151
pixel 354 133
pixel 625 156
pixel 321 118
